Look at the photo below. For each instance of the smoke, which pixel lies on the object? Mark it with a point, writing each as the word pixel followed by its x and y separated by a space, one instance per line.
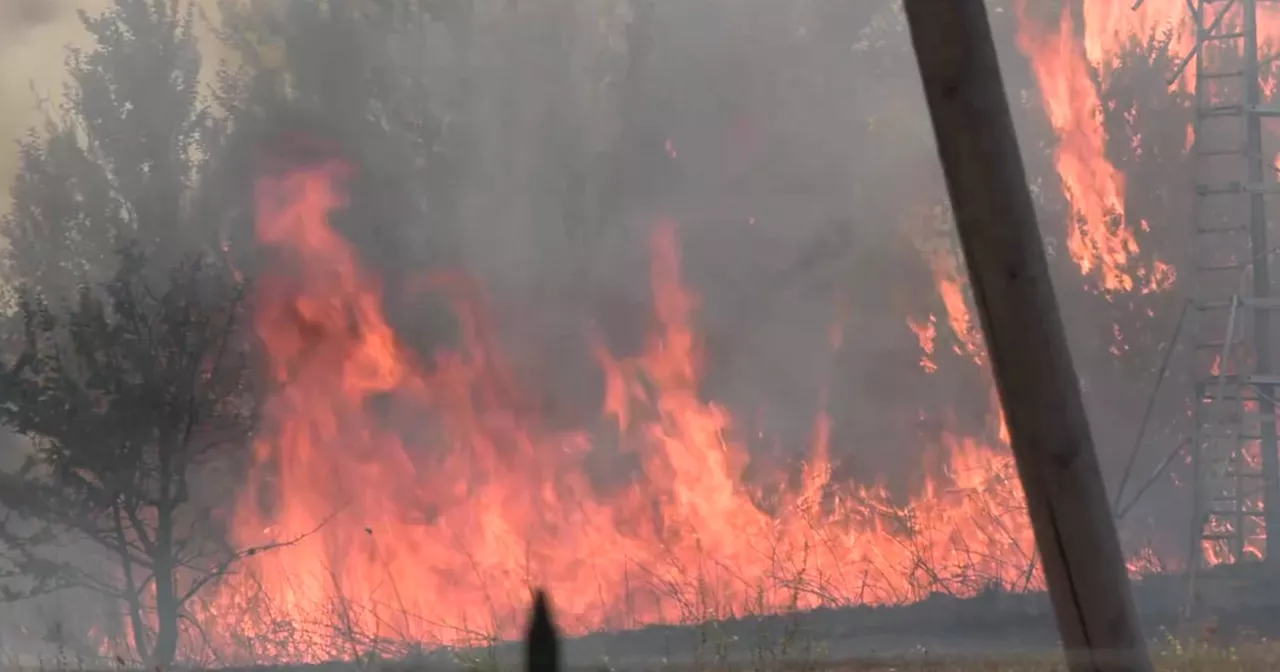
pixel 33 33
pixel 790 142
pixel 34 38
pixel 746 123
pixel 20 14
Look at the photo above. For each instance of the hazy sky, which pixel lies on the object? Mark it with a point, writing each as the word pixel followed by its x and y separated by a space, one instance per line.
pixel 33 35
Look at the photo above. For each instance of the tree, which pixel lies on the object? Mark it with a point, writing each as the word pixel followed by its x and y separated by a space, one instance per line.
pixel 124 364
pixel 125 399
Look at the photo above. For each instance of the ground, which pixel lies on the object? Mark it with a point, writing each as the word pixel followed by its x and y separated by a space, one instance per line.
pixel 1169 654
pixel 991 631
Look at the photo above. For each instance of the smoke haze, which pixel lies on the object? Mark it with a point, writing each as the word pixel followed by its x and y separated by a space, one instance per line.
pixel 744 121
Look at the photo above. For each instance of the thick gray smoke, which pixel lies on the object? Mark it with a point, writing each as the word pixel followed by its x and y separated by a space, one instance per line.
pixel 744 122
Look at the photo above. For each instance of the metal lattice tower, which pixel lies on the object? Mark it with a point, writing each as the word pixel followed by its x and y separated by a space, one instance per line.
pixel 1234 447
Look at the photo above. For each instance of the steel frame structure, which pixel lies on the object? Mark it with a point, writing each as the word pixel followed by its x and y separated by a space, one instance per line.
pixel 1232 301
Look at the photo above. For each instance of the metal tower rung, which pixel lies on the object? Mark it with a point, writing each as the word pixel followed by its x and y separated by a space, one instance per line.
pixel 1220 537
pixel 1218 268
pixel 1247 380
pixel 1264 111
pixel 1233 499
pixel 1217 345
pixel 1221 75
pixel 1230 422
pixel 1239 419
pixel 1236 187
pixel 1236 110
pixel 1228 110
pixel 1233 512
pixel 1230 435
pixel 1209 404
pixel 1231 474
pixel 1221 230
pixel 1264 303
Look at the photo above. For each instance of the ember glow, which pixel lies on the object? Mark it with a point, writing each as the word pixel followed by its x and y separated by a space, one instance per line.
pixel 426 504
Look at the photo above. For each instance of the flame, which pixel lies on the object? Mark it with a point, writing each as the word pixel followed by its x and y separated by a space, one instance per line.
pixel 951 284
pixel 969 339
pixel 420 503
pixel 1111 27
pixel 926 332
pixel 1097 238
pixel 419 500
pixel 1064 64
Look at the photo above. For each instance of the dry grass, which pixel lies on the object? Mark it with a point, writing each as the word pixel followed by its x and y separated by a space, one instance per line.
pixel 710 634
pixel 1256 657
pixel 1171 655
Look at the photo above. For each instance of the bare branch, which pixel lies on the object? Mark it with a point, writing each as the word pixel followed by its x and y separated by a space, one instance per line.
pixel 224 567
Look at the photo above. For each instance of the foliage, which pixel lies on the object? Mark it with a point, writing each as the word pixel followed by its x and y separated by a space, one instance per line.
pixel 117 161
pixel 124 399
pixel 123 366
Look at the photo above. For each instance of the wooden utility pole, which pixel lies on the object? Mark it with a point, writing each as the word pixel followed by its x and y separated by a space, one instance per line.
pixel 1036 380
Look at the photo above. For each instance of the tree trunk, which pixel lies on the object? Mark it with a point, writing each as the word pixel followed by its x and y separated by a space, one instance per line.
pixel 166 645
pixel 133 599
pixel 139 628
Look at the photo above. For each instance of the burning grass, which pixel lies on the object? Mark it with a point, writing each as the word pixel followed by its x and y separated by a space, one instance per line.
pixel 439 502
pixel 426 501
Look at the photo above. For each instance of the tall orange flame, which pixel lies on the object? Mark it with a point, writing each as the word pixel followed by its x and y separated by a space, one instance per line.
pixel 423 505
pixel 1097 238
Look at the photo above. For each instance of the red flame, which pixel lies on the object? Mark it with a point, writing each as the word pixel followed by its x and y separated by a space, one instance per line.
pixel 423 505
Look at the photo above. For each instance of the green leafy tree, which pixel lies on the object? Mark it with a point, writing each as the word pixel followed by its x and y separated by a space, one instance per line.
pixel 126 395
pixel 124 363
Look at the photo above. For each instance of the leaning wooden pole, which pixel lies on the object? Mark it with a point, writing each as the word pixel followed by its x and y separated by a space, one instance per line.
pixel 1036 380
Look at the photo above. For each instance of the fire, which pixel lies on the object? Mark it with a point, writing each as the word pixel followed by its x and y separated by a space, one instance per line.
pixel 421 503
pixel 951 289
pixel 1071 62
pixel 926 332
pixel 1111 27
pixel 1097 238
pixel 933 229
